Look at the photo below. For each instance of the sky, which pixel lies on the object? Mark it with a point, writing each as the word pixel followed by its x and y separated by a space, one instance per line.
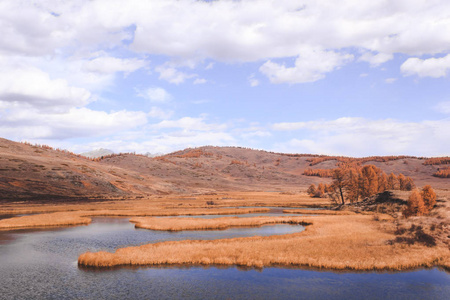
pixel 351 77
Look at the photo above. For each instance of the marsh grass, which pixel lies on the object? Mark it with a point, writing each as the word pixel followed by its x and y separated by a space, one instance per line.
pixel 178 224
pixel 318 212
pixel 83 217
pixel 335 242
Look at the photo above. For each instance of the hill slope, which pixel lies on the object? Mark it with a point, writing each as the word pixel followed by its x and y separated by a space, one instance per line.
pixel 34 172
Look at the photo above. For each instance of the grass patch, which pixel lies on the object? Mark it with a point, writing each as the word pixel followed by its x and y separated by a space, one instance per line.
pixel 179 224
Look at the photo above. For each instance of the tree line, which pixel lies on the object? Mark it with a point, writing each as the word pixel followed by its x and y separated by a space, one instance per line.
pixel 353 182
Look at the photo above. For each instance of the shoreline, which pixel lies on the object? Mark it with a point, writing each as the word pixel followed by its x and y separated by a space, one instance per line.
pixel 320 245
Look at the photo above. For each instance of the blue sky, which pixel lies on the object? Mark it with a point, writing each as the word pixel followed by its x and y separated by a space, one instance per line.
pixel 353 78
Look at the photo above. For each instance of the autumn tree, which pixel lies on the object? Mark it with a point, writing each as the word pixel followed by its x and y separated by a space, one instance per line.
pixel 369 180
pixel 312 190
pixel 320 190
pixel 352 182
pixel 382 182
pixel 429 197
pixel 415 205
pixel 402 182
pixel 353 185
pixel 392 182
pixel 340 182
pixel 409 185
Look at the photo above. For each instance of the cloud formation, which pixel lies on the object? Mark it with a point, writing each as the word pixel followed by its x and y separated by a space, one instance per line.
pixel 431 67
pixel 58 58
pixel 365 137
pixel 155 94
pixel 311 65
pixel 30 86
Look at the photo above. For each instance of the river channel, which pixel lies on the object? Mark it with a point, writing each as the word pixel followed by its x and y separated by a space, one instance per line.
pixel 42 264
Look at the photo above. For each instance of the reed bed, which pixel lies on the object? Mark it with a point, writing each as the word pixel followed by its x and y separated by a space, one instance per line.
pixel 72 218
pixel 45 220
pixel 179 224
pixel 318 212
pixel 333 242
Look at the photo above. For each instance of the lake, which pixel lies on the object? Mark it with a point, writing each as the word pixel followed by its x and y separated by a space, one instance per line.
pixel 43 264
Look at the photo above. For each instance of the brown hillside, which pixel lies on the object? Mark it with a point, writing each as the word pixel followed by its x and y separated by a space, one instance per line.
pixel 34 172
pixel 41 173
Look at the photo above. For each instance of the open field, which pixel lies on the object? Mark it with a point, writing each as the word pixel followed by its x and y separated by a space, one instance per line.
pixel 177 224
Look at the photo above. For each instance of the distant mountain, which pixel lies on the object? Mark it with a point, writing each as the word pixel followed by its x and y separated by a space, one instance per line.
pixel 97 153
pixel 154 154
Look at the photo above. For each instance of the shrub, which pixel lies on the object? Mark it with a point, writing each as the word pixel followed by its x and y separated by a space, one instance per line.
pixel 311 190
pixel 429 197
pixel 415 205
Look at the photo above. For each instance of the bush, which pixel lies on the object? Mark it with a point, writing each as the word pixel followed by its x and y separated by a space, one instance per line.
pixel 415 205
pixel 429 197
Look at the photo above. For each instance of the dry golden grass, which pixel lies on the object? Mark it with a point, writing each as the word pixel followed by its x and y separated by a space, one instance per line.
pixel 175 205
pixel 318 212
pixel 338 242
pixel 178 224
pixel 45 220
pixel 82 217
pixel 232 199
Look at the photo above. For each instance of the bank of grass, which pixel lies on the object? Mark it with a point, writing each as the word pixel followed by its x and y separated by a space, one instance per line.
pixel 318 212
pixel 353 242
pixel 72 218
pixel 179 224
pixel 57 219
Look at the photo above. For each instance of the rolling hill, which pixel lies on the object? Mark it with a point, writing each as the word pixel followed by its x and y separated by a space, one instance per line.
pixel 32 172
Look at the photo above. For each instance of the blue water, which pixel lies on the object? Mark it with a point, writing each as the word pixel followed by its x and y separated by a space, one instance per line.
pixel 42 264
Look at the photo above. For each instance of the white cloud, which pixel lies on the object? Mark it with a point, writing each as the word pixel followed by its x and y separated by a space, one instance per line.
pixel 253 81
pixel 376 59
pixel 19 123
pixel 108 64
pixel 431 67
pixel 390 80
pixel 200 81
pixel 363 137
pixel 227 30
pixel 443 107
pixel 189 123
pixel 236 31
pixel 158 113
pixel 311 65
pixel 155 94
pixel 172 75
pixel 257 133
pixel 33 87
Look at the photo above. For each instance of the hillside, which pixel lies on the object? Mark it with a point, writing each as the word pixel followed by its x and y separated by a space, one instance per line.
pixel 43 173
